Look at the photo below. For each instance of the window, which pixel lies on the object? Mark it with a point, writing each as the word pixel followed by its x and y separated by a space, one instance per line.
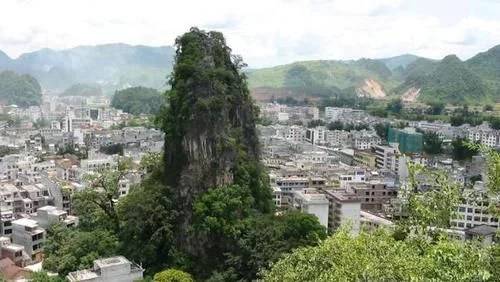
pixel 469 210
pixel 461 209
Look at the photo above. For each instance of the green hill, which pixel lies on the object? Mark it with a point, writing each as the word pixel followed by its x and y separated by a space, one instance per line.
pixel 21 90
pixel 319 78
pixel 487 66
pixel 399 61
pixel 83 89
pixel 449 80
pixel 138 100
pixel 112 66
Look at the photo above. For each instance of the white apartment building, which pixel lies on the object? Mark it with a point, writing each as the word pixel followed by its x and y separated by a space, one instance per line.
pixel 473 211
pixel 485 135
pixel 338 138
pixel 364 140
pixel 50 215
pixel 27 233
pixel 386 157
pixel 333 113
pixel 113 269
pixel 295 133
pixel 344 209
pixel 312 202
pixel 316 135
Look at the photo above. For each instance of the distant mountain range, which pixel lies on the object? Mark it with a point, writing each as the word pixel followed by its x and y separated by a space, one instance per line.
pixel 112 66
pixel 116 66
pixel 413 78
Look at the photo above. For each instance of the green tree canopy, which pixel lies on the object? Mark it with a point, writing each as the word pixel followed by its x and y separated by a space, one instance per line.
pixel 173 275
pixel 138 100
pixel 21 90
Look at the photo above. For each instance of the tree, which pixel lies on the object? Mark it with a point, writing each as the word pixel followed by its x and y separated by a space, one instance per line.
pixel 378 256
pixel 173 275
pixel 96 204
pixel 146 218
pixel 336 125
pixel 395 106
pixel 42 276
pixel 436 108
pixel 262 240
pixel 488 108
pixel 495 122
pixel 21 90
pixel 138 100
pixel 315 123
pixel 67 250
pixel 432 143
pixel 461 151
pixel 382 130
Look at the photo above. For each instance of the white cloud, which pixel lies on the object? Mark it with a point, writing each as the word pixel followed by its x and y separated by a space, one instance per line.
pixel 265 32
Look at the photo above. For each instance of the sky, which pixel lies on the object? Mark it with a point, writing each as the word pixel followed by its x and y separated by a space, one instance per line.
pixel 264 32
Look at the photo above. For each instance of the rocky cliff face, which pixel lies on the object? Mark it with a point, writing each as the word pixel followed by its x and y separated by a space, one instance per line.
pixel 209 124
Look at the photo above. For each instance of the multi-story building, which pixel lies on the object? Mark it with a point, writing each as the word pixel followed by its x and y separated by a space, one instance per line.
pixel 473 211
pixel 386 157
pixel 364 140
pixel 344 209
pixel 27 233
pixel 485 135
pixel 312 202
pixel 373 195
pixel 109 270
pixel 338 138
pixel 316 135
pixel 49 215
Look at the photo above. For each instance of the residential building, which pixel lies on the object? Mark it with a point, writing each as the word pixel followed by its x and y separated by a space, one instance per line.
pixel 111 269
pixel 27 233
pixel 312 202
pixel 344 209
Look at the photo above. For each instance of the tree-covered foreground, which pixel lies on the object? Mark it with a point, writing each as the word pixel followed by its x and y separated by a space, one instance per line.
pixel 204 209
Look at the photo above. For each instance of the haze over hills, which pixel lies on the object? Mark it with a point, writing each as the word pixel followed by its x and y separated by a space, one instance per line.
pixel 116 66
pixel 410 77
pixel 112 66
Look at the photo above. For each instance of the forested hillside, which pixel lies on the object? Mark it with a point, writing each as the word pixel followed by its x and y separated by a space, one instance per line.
pixel 21 90
pixel 112 66
pixel 83 89
pixel 138 100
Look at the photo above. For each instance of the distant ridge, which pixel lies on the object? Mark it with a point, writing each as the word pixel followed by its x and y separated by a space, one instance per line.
pixel 112 66
pixel 118 66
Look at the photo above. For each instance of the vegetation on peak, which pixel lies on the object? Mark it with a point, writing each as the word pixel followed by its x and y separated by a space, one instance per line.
pixel 113 66
pixel 322 78
pixel 487 66
pixel 83 89
pixel 22 90
pixel 401 61
pixel 448 80
pixel 138 100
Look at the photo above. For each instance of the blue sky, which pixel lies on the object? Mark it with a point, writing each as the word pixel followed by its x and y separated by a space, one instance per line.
pixel 264 32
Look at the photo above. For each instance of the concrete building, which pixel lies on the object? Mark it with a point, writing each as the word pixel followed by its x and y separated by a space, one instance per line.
pixel 312 202
pixel 373 195
pixel 364 140
pixel 113 269
pixel 344 209
pixel 50 215
pixel 473 211
pixel 27 233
